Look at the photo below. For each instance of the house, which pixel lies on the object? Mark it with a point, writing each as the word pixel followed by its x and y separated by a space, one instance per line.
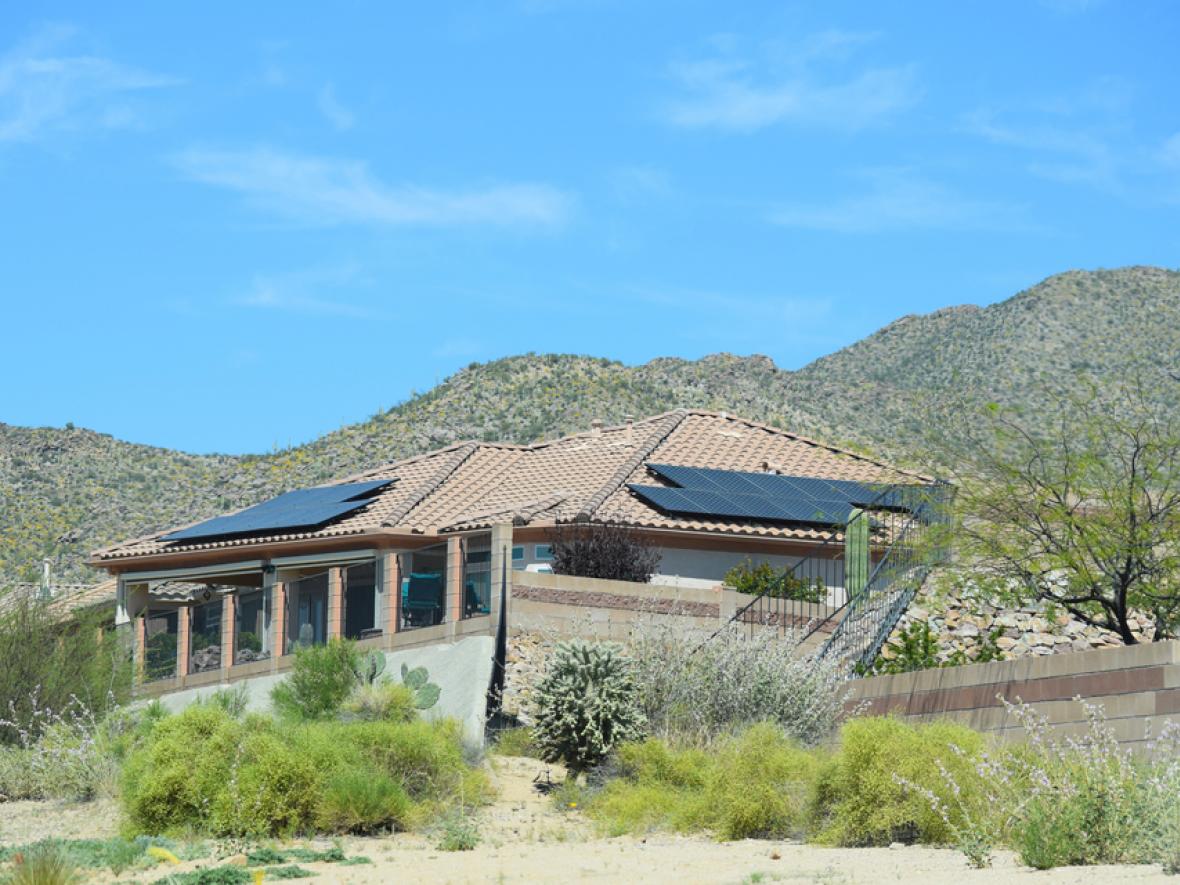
pixel 415 551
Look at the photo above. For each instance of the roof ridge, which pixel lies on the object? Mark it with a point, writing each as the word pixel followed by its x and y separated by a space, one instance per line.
pixel 432 482
pixel 760 425
pixel 671 420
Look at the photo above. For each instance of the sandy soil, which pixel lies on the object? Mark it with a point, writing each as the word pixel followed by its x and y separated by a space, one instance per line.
pixel 526 840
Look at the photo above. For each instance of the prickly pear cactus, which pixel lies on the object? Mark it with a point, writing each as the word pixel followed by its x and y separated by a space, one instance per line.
pixel 370 667
pixel 418 681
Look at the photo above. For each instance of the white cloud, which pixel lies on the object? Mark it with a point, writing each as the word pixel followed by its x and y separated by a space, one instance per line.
pixel 1067 154
pixel 899 199
pixel 43 87
pixel 741 95
pixel 329 191
pixel 304 292
pixel 335 113
pixel 1169 153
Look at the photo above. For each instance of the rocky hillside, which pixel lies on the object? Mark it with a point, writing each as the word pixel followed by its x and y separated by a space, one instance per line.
pixel 64 492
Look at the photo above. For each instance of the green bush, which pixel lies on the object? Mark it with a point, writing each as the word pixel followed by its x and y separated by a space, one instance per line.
pixel 383 700
pixel 765 579
pixel 752 785
pixel 361 801
pixel 204 771
pixel 171 781
pixel 50 665
pixel 587 704
pixel 515 742
pixel 321 680
pixel 46 863
pixel 858 800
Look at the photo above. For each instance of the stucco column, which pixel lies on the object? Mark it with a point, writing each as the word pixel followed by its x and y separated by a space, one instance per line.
pixel 501 565
pixel 184 620
pixel 391 577
pixel 229 609
pixel 140 646
pixel 454 580
pixel 335 602
pixel 278 619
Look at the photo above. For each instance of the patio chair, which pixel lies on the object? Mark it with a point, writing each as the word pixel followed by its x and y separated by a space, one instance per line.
pixel 422 604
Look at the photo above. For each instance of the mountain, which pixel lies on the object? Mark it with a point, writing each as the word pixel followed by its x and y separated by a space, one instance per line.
pixel 64 492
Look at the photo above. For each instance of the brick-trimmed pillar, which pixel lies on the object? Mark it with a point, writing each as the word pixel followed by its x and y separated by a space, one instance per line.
pixel 335 602
pixel 391 576
pixel 454 596
pixel 229 608
pixel 184 621
pixel 278 619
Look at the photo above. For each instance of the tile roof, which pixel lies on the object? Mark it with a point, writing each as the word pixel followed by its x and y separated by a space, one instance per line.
pixel 580 477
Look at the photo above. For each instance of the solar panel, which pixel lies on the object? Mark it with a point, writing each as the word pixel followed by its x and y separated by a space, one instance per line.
pixel 774 484
pixel 300 509
pixel 737 505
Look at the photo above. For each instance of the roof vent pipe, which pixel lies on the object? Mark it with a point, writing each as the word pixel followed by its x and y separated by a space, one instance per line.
pixel 630 422
pixel 596 427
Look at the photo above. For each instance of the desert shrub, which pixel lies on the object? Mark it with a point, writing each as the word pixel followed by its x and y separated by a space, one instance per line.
pixel 1090 801
pixel 751 785
pixel 205 771
pixel 321 680
pixel 609 551
pixel 383 700
pixel 233 700
pixel 764 579
pixel 272 790
pixel 694 687
pixel 359 800
pixel 866 793
pixel 50 664
pixel 45 863
pixel 458 832
pixel 68 754
pixel 587 704
pixel 516 741
pixel 170 784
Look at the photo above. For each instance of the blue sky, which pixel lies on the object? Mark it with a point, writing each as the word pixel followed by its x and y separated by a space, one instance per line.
pixel 228 227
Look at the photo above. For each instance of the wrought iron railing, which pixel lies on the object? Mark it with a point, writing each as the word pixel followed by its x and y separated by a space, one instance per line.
pixel 822 596
pixel 864 622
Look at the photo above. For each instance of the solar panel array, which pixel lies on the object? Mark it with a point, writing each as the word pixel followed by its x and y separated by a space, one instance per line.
pixel 731 494
pixel 301 509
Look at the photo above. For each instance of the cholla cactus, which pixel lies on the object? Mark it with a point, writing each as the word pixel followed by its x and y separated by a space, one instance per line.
pixel 587 704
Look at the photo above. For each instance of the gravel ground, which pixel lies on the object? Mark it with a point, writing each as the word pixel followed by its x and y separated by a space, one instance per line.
pixel 525 840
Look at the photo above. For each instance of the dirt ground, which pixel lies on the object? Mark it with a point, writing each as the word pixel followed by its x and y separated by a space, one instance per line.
pixel 525 839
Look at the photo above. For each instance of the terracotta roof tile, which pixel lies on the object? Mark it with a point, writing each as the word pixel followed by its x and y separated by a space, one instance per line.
pixel 584 476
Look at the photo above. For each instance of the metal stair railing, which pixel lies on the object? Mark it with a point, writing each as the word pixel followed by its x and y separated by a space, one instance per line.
pixel 869 617
pixel 821 575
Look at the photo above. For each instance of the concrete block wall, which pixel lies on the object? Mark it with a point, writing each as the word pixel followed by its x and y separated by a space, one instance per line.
pixel 1137 686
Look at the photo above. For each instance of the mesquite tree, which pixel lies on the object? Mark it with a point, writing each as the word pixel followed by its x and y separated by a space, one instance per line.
pixel 1081 510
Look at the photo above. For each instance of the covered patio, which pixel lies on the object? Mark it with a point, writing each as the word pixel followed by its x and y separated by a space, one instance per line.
pixel 227 619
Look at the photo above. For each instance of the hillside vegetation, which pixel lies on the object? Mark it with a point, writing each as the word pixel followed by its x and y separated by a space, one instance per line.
pixel 64 492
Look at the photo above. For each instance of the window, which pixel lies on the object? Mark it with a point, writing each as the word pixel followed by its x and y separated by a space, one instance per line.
pixel 307 612
pixel 159 652
pixel 205 637
pixel 360 601
pixel 477 575
pixel 518 558
pixel 543 552
pixel 252 630
pixel 424 589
